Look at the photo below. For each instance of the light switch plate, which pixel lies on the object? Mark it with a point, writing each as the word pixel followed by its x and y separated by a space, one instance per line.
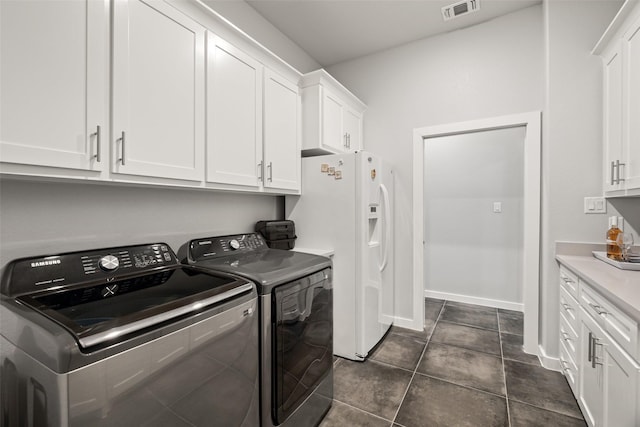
pixel 595 205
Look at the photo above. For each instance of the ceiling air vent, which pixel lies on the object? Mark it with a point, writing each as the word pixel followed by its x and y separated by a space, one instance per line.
pixel 460 8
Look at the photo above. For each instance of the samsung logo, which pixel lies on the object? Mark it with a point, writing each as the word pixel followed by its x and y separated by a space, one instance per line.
pixel 45 263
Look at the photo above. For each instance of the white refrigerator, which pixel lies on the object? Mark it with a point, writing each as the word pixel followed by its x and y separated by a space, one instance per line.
pixel 347 206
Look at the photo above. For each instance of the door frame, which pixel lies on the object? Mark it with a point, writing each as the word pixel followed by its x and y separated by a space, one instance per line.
pixel 532 191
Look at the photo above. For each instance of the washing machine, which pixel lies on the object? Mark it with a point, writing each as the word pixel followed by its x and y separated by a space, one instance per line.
pixel 296 322
pixel 126 336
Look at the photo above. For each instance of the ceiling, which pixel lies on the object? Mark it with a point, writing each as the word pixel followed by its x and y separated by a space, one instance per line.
pixel 333 31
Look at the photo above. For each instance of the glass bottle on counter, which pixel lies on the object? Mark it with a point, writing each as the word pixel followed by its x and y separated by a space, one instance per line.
pixel 613 250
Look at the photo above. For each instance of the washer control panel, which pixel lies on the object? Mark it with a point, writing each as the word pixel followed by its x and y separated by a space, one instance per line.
pixel 40 273
pixel 214 247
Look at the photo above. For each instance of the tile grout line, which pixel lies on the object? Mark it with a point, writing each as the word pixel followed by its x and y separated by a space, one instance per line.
pixel 424 350
pixel 504 373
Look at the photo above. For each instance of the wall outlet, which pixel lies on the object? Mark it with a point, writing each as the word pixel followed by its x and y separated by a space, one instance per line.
pixel 595 205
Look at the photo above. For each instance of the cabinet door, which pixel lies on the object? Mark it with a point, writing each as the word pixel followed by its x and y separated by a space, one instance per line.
pixel 281 133
pixel 613 118
pixel 353 129
pixel 631 43
pixel 591 373
pixel 234 115
pixel 158 91
pixel 53 80
pixel 620 387
pixel 333 136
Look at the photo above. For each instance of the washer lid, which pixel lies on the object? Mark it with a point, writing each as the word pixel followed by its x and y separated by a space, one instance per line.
pixel 267 267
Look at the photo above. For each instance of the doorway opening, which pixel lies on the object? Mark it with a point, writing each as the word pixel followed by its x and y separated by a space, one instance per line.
pixel 529 212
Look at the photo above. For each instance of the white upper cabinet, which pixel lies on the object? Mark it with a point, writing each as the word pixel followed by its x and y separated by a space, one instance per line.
pixel 631 98
pixel 619 48
pixel 612 117
pixel 281 133
pixel 234 115
pixel 332 116
pixel 144 91
pixel 352 128
pixel 158 92
pixel 54 83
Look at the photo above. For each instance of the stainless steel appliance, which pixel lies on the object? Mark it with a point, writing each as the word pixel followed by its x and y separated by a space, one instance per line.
pixel 296 303
pixel 126 337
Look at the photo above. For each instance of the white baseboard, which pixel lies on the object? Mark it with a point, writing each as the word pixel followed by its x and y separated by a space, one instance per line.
pixel 552 363
pixel 506 305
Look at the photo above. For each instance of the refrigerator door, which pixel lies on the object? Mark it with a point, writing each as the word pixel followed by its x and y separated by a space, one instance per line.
pixel 374 287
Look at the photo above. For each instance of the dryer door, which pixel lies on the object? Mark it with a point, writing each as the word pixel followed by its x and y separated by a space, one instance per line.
pixel 303 340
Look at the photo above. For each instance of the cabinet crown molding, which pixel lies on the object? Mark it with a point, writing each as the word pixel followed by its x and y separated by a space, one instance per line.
pixel 324 79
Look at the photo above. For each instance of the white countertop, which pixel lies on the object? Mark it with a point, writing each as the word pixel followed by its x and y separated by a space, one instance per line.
pixel 315 251
pixel 621 287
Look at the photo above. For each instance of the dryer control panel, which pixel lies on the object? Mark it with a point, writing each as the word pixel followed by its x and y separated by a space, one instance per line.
pixel 225 245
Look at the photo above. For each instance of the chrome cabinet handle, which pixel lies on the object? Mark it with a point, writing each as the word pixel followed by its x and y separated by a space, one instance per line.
pixel 566 336
pixel 567 280
pixel 613 166
pixel 618 164
pixel 564 364
pixel 122 141
pixel 270 167
pixel 346 145
pixel 97 135
pixel 567 306
pixel 593 352
pixel 260 171
pixel 589 355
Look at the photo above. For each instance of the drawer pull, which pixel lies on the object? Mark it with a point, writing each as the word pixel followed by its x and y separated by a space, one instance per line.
pixel 566 336
pixel 567 280
pixel 598 309
pixel 567 306
pixel 590 348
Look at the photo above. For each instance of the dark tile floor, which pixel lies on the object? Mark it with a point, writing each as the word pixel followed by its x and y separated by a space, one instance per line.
pixel 467 368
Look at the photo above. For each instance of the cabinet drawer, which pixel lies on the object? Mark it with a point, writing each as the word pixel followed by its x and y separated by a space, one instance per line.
pixel 569 368
pixel 621 327
pixel 569 308
pixel 569 337
pixel 569 281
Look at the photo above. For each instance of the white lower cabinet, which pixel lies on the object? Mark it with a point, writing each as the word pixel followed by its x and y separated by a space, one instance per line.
pixel 608 379
pixel 603 375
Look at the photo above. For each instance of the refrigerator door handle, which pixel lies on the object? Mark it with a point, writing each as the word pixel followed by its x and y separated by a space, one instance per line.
pixel 387 229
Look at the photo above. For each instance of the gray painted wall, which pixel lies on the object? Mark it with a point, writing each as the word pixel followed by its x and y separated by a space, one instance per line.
pixel 243 16
pixel 543 64
pixel 40 218
pixel 492 69
pixel 572 149
pixel 469 249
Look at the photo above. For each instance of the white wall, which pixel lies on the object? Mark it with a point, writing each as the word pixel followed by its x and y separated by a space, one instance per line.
pixel 39 218
pixel 488 70
pixel 572 140
pixel 251 22
pixel 470 250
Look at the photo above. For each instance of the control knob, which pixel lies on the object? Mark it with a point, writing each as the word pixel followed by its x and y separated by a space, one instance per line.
pixel 109 263
pixel 234 244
